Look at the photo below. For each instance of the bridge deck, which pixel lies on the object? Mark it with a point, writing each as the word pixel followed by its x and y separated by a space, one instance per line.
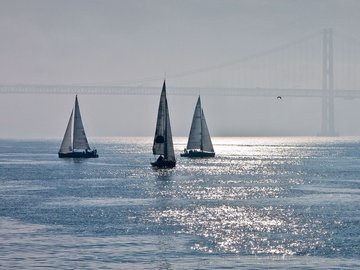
pixel 191 91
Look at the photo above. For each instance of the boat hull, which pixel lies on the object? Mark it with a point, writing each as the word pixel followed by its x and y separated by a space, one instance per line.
pixel 164 164
pixel 89 154
pixel 198 154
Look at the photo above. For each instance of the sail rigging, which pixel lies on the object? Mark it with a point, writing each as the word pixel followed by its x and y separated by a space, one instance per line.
pixel 159 138
pixel 199 137
pixel 206 139
pixel 75 143
pixel 163 144
pixel 66 145
pixel 79 139
pixel 194 141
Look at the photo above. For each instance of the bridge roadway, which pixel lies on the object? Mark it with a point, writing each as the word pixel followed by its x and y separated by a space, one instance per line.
pixel 185 91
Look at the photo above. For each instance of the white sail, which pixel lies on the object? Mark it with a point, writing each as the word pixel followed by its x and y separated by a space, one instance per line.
pixel 206 139
pixel 80 140
pixel 194 141
pixel 169 149
pixel 163 144
pixel 199 137
pixel 66 145
pixel 159 138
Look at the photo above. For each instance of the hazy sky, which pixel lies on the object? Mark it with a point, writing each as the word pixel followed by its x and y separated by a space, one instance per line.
pixel 105 42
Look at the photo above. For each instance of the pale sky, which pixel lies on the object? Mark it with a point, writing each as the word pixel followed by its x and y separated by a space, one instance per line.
pixel 105 42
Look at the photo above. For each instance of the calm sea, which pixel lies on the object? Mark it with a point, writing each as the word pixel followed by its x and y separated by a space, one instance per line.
pixel 261 203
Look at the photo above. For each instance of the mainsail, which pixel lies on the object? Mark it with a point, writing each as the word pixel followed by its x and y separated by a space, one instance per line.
pixel 163 144
pixel 199 137
pixel 194 141
pixel 206 139
pixel 66 145
pixel 80 140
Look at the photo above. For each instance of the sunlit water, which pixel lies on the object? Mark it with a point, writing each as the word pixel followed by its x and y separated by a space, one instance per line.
pixel 261 203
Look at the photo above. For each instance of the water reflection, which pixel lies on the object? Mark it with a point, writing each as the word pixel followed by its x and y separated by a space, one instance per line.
pixel 245 230
pixel 268 196
pixel 228 201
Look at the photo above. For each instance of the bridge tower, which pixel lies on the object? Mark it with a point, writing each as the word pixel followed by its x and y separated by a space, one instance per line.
pixel 327 121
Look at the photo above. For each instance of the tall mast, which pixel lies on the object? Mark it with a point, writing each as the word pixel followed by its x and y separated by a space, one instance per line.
pixel 73 124
pixel 201 131
pixel 166 129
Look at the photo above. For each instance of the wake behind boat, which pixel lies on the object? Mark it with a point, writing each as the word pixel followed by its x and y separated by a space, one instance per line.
pixel 199 142
pixel 76 145
pixel 163 144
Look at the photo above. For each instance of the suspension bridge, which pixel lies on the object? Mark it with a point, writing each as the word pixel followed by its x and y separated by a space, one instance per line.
pixel 324 65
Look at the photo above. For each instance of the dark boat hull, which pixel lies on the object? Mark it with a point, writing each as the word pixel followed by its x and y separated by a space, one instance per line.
pixel 198 154
pixel 89 154
pixel 163 164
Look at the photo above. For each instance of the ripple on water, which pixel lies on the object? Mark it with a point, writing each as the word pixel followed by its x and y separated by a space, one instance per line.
pixel 246 230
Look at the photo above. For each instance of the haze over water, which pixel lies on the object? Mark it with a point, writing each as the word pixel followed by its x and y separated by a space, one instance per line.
pixel 237 44
pixel 271 202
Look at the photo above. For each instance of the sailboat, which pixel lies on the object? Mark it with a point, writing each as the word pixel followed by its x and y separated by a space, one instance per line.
pixel 75 144
pixel 199 142
pixel 163 144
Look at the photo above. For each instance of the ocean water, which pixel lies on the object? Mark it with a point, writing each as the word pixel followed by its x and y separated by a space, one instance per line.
pixel 261 203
